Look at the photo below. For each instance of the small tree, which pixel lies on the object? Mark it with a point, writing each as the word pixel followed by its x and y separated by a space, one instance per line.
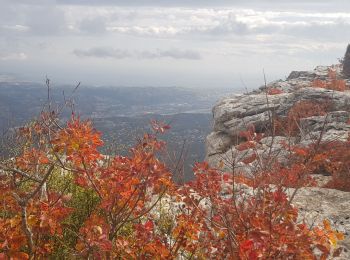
pixel 346 62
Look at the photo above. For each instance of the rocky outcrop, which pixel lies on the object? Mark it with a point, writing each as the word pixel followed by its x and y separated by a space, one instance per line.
pixel 236 113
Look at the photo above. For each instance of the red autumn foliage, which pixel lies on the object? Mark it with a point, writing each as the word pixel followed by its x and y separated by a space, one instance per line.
pixel 333 158
pixel 250 227
pixel 290 126
pixel 274 91
pixel 62 198
pixel 332 82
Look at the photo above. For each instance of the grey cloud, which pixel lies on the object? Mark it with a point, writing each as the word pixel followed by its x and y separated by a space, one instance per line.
pixel 40 17
pixel 223 25
pixel 325 5
pixel 317 29
pixel 103 52
pixel 230 25
pixel 212 23
pixel 93 25
pixel 189 2
pixel 142 2
pixel 45 20
pixel 30 2
pixel 106 52
pixel 172 53
pixel 333 31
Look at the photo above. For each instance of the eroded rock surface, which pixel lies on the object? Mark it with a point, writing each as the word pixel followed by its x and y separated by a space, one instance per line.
pixel 317 204
pixel 236 113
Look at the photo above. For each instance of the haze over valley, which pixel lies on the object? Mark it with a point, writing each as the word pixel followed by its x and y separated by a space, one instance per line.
pixel 122 114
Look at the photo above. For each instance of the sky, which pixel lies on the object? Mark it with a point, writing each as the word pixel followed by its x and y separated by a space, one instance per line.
pixel 186 43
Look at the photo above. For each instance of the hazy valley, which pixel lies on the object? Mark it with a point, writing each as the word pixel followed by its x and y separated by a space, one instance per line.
pixel 122 114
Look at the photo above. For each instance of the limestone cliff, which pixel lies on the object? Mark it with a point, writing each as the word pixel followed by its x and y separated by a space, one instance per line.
pixel 236 113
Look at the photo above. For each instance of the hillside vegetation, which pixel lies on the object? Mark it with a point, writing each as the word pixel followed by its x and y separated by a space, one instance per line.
pixel 62 198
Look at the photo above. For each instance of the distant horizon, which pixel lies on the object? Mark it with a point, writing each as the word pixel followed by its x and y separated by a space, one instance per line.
pixel 239 85
pixel 13 80
pixel 4 78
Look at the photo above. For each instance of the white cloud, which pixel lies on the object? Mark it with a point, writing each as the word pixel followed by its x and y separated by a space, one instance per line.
pixel 16 28
pixel 218 24
pixel 13 56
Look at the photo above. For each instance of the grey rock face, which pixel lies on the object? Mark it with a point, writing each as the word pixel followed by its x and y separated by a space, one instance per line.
pixel 217 142
pixel 301 74
pixel 236 113
pixel 317 204
pixel 334 124
pixel 267 148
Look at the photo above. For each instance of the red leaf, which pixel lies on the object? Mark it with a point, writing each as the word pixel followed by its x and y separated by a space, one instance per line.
pixel 149 225
pixel 246 245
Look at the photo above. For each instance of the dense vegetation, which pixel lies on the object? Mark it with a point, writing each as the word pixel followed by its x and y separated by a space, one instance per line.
pixel 61 198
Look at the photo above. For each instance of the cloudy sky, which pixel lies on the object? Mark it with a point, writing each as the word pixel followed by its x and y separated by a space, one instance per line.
pixel 189 43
